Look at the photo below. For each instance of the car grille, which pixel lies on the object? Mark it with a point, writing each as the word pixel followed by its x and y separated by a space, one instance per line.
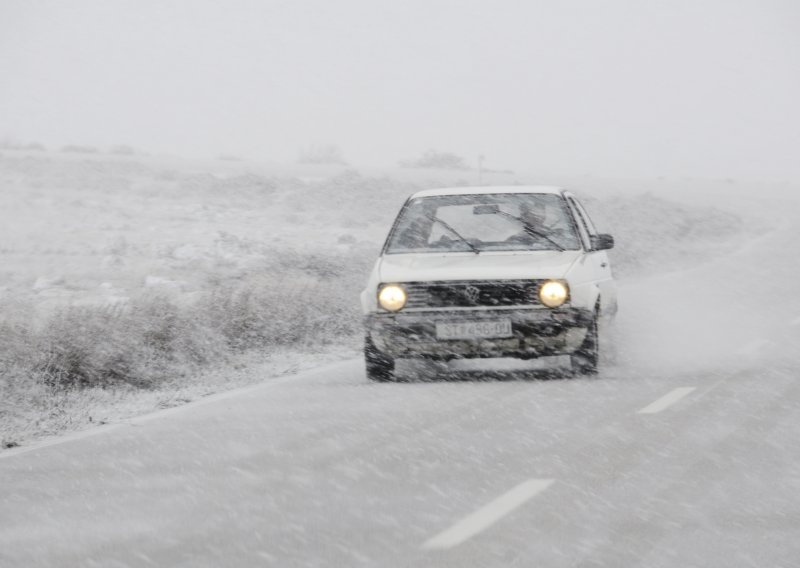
pixel 476 293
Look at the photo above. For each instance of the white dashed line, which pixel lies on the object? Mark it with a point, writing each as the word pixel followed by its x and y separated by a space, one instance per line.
pixel 666 401
pixel 487 515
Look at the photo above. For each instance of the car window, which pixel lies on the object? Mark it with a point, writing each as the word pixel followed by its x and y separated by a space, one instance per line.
pixel 581 222
pixel 585 216
pixel 484 222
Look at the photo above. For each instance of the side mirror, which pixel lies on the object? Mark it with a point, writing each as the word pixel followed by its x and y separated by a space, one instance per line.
pixel 602 242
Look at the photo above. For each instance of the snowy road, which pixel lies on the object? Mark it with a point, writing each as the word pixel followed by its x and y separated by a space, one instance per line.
pixel 327 470
pixel 685 453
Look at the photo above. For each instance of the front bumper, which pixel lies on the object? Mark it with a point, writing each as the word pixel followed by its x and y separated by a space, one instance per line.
pixel 536 332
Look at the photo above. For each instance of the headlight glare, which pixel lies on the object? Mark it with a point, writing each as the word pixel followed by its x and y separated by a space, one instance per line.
pixel 553 293
pixel 392 297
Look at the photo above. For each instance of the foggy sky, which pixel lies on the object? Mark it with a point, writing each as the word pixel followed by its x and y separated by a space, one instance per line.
pixel 627 88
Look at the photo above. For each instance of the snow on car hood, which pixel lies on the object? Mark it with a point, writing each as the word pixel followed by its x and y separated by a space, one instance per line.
pixel 484 266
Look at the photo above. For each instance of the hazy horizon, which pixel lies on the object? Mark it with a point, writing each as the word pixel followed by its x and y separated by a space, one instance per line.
pixel 623 89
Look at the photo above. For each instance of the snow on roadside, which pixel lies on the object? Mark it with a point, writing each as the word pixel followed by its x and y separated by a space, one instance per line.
pixel 61 411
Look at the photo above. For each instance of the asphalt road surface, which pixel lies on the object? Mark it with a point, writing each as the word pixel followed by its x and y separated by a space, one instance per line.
pixel 684 452
pixel 328 470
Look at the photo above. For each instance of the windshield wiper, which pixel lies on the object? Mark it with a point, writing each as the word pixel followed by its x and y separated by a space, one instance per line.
pixel 447 226
pixel 530 230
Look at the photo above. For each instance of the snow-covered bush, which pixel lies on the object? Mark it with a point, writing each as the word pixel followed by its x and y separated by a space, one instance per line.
pixel 122 150
pixel 17 349
pixel 321 154
pixel 436 159
pixel 13 145
pixel 79 149
pixel 140 344
pixel 296 299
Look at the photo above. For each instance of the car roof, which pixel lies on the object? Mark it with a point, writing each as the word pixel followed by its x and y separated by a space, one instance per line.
pixel 551 189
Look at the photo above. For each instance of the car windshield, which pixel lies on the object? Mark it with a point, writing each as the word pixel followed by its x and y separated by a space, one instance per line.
pixel 483 222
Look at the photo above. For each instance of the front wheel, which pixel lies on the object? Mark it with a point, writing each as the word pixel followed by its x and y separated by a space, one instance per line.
pixel 380 367
pixel 584 361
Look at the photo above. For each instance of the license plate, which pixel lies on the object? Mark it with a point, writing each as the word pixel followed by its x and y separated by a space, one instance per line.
pixel 473 329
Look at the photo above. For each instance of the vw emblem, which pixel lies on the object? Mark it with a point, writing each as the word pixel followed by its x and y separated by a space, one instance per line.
pixel 472 294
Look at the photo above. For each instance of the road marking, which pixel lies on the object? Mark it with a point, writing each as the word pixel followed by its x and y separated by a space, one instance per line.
pixel 487 515
pixel 666 401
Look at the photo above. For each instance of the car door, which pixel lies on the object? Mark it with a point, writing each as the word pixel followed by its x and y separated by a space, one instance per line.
pixel 598 261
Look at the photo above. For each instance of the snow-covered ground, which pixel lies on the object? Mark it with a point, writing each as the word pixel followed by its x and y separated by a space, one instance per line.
pixel 242 270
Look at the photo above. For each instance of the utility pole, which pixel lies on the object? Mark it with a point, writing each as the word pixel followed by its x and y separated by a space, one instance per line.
pixel 480 169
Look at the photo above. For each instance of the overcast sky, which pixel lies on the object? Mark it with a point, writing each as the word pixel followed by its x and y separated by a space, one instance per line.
pixel 633 88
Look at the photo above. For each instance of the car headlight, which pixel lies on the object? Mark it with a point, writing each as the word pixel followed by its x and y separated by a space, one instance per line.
pixel 553 293
pixel 392 297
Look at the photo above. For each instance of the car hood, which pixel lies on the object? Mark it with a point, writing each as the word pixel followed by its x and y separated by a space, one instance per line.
pixel 484 266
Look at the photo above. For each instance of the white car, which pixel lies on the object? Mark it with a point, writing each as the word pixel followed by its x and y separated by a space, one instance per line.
pixel 489 272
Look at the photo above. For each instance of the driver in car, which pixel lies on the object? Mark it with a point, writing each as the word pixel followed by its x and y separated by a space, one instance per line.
pixel 532 218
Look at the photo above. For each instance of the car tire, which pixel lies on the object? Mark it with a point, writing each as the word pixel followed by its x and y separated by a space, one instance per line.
pixel 585 360
pixel 380 367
